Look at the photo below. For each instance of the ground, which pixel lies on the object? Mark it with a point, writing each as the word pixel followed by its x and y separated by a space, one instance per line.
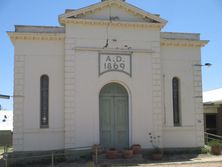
pixel 182 160
pixel 209 164
pixel 204 164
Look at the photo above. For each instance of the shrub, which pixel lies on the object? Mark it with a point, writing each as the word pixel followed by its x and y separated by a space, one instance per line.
pixel 204 150
pixel 215 143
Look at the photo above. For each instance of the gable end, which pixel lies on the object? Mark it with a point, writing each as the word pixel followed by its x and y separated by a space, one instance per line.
pixel 85 13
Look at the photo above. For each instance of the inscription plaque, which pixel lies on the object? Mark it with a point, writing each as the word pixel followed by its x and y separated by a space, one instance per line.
pixel 115 62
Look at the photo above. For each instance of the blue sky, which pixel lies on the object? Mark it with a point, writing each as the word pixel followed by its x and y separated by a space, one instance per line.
pixel 197 16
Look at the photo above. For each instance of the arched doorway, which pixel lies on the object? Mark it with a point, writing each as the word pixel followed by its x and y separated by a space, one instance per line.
pixel 114 116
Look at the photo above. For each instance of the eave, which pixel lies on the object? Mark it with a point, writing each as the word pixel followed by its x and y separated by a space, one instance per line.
pixel 110 23
pixel 183 43
pixel 35 36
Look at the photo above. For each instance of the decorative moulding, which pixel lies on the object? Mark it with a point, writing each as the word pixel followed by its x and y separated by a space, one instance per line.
pixel 114 50
pixel 183 43
pixel 36 36
pixel 113 23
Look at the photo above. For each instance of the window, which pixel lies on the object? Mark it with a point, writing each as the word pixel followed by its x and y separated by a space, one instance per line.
pixel 44 101
pixel 211 123
pixel 176 101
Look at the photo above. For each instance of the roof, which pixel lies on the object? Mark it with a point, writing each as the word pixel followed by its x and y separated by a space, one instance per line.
pixel 77 14
pixel 177 35
pixel 181 39
pixel 6 120
pixel 213 96
pixel 39 29
pixel 24 32
pixel 100 14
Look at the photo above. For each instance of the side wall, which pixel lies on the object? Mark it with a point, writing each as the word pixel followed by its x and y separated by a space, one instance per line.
pixel 34 58
pixel 180 62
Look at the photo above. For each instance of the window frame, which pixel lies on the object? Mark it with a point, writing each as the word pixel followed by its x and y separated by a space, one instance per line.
pixel 44 101
pixel 176 101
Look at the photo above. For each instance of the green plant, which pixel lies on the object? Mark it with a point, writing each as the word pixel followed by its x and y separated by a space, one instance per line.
pixel 204 150
pixel 216 147
pixel 215 143
pixel 155 141
pixel 157 150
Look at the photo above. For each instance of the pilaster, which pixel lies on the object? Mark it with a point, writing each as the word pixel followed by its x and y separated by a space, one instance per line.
pixel 18 117
pixel 69 89
pixel 199 122
pixel 157 93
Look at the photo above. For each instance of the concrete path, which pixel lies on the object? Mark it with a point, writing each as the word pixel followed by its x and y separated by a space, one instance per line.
pixel 170 161
pixel 202 161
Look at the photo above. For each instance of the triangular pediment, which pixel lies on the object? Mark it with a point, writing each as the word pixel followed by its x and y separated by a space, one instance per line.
pixel 113 10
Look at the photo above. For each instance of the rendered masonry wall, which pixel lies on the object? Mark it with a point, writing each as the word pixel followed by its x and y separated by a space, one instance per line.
pixel 69 92
pixel 199 121
pixel 83 83
pixel 180 62
pixel 157 94
pixel 18 131
pixel 38 58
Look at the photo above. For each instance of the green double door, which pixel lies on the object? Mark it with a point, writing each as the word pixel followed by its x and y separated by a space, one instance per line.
pixel 114 116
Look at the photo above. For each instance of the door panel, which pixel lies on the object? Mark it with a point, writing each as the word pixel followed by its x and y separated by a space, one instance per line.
pixel 106 122
pixel 121 122
pixel 114 116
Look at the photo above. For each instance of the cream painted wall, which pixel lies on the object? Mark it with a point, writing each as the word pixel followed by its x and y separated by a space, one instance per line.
pixel 114 11
pixel 88 86
pixel 95 36
pixel 173 60
pixel 88 83
pixel 179 137
pixel 43 57
pixel 179 62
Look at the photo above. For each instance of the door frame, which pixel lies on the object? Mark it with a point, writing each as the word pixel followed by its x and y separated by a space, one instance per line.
pixel 129 108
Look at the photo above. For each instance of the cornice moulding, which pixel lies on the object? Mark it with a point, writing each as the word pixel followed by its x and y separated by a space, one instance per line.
pixel 36 36
pixel 111 23
pixel 183 43
pixel 113 50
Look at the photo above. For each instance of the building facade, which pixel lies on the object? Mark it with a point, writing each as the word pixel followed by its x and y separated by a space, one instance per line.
pixel 107 76
pixel 212 101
